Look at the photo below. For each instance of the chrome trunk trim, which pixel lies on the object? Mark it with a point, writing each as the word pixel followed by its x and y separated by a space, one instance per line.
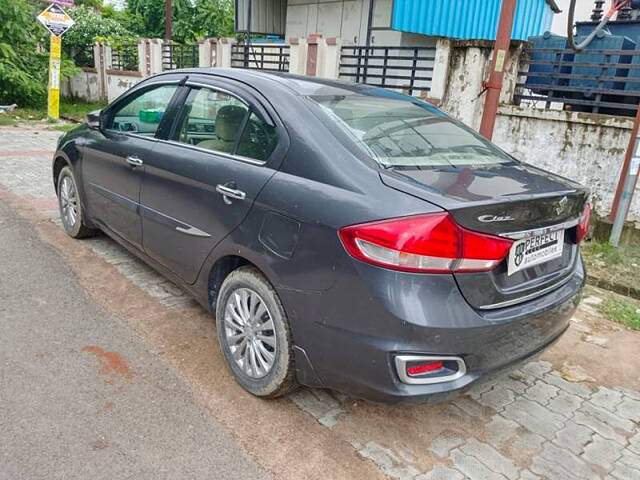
pixel 525 298
pixel 540 231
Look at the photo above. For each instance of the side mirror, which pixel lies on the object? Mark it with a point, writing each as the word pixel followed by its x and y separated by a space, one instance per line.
pixel 93 119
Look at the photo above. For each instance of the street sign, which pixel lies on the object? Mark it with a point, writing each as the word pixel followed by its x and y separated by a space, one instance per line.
pixel 56 20
pixel 62 3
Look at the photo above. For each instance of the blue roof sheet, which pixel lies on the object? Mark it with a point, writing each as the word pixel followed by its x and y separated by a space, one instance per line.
pixel 470 19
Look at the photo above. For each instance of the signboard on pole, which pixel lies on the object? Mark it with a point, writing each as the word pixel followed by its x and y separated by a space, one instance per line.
pixel 56 20
pixel 62 3
pixel 53 107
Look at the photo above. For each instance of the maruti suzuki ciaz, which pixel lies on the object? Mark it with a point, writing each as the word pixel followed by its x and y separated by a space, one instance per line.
pixel 345 236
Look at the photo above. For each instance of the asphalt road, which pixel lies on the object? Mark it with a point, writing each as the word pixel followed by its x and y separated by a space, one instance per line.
pixel 108 370
pixel 80 395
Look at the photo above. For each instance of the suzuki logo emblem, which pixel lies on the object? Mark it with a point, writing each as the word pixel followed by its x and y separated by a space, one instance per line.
pixel 562 205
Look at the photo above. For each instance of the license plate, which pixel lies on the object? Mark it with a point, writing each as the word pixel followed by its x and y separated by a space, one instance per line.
pixel 535 250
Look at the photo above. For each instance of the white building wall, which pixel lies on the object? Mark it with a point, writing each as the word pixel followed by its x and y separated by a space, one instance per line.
pixel 347 19
pixel 85 85
pixel 586 148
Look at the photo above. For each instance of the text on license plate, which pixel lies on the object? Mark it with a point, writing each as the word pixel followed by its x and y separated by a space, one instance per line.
pixel 535 250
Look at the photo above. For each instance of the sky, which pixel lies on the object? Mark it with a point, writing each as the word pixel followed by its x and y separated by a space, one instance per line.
pixel 118 3
pixel 583 12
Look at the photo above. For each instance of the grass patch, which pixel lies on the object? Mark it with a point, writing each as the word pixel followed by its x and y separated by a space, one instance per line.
pixel 605 251
pixel 622 311
pixel 77 109
pixel 65 127
pixel 22 115
pixel 72 109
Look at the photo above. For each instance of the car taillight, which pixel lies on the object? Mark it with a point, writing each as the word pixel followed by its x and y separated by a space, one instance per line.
pixel 583 226
pixel 432 243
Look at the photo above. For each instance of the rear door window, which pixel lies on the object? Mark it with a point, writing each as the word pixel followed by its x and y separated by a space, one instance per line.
pixel 258 140
pixel 212 120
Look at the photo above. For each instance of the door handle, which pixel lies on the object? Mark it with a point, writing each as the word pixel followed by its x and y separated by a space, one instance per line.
pixel 228 193
pixel 134 161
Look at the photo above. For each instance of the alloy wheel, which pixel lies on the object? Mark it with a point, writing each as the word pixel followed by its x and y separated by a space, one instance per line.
pixel 68 202
pixel 249 333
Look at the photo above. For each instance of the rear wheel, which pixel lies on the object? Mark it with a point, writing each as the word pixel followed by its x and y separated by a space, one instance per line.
pixel 71 210
pixel 254 334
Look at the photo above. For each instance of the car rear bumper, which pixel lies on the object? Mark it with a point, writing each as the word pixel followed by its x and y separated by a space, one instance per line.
pixel 364 321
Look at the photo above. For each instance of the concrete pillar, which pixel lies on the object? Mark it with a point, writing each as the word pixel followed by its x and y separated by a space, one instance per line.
pixel 100 60
pixel 155 55
pixel 329 58
pixel 440 75
pixel 315 54
pixel 515 63
pixel 207 52
pixel 108 60
pixel 224 52
pixel 469 63
pixel 298 56
pixel 144 57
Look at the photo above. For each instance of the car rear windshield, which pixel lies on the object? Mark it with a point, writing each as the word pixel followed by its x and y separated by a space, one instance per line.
pixel 398 132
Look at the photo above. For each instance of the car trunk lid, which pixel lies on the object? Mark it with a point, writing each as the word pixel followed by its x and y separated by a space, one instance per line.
pixel 514 200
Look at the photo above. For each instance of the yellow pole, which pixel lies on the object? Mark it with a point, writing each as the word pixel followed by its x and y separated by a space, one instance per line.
pixel 53 109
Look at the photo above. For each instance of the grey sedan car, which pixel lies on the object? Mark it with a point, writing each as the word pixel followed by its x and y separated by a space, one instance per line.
pixel 344 236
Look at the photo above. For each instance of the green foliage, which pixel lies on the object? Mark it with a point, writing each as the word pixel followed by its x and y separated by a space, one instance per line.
pixel 89 25
pixel 608 253
pixel 21 68
pixel 70 108
pixel 622 311
pixel 213 18
pixel 24 57
pixel 147 18
pixel 191 19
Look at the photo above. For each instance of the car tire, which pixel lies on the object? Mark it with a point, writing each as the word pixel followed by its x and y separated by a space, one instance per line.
pixel 70 205
pixel 250 316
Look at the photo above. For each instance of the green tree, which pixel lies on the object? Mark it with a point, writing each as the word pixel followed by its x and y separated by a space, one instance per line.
pixel 89 24
pixel 21 66
pixel 24 56
pixel 147 18
pixel 213 18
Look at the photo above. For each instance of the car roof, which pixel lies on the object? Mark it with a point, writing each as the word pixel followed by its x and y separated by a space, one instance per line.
pixel 294 84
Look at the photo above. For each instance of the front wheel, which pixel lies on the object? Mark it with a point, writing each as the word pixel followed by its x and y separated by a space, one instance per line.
pixel 71 210
pixel 254 334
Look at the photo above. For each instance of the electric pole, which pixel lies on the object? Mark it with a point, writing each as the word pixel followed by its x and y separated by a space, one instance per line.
pixel 168 20
pixel 498 65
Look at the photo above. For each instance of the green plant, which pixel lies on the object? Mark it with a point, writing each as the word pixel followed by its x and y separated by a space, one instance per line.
pixel 21 66
pixel 146 18
pixel 608 253
pixel 213 18
pixel 24 59
pixel 622 311
pixel 91 24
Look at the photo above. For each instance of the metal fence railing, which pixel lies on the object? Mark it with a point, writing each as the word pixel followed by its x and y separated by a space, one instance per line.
pixel 408 69
pixel 125 57
pixel 597 81
pixel 83 57
pixel 175 55
pixel 270 57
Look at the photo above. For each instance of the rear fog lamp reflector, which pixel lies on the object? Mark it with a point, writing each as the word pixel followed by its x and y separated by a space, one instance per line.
pixel 427 369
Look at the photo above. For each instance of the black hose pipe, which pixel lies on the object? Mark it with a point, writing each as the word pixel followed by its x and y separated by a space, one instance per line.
pixel 615 6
